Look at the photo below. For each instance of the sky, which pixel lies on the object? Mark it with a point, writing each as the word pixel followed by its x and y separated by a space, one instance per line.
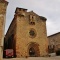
pixel 47 8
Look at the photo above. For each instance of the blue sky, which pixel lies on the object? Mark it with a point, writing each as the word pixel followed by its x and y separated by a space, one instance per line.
pixel 47 8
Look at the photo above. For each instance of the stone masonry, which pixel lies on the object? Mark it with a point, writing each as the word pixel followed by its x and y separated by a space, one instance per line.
pixel 54 40
pixel 28 34
pixel 3 5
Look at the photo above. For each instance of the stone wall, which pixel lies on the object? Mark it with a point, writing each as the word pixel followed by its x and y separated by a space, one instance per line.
pixel 3 5
pixel 25 22
pixel 24 38
pixel 55 40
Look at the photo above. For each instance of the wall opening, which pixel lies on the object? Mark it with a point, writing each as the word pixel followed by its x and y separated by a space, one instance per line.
pixel 33 50
pixel 10 47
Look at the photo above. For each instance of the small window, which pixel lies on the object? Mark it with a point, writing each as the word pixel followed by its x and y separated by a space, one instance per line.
pixel 32 23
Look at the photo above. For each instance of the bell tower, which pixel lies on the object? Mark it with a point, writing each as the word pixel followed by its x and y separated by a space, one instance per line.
pixel 3 7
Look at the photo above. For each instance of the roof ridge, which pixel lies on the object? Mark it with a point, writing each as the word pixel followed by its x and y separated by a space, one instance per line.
pixel 54 34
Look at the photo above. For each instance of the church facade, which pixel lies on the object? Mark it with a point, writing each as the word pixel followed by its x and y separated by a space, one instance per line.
pixel 27 34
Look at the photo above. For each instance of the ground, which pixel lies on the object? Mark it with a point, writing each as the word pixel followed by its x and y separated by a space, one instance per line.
pixel 35 58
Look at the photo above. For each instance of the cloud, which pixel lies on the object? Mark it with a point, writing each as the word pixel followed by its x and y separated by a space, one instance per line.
pixel 48 8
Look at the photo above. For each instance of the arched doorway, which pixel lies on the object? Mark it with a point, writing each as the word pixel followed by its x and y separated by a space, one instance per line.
pixel 33 50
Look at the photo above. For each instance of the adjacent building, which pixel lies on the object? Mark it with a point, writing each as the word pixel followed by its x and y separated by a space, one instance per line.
pixel 54 42
pixel 3 7
pixel 27 34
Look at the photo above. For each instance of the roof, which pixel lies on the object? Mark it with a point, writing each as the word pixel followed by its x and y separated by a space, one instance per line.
pixel 31 12
pixel 54 34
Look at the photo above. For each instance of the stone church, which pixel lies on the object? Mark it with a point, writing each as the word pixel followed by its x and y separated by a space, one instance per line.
pixel 27 35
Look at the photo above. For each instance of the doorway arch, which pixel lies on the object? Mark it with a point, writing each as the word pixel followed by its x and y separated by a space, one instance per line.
pixel 33 49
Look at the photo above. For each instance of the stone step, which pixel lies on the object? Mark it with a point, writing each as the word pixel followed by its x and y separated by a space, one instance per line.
pixel 35 58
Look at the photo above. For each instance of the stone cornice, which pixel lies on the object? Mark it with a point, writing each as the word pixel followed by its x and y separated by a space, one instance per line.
pixel 3 1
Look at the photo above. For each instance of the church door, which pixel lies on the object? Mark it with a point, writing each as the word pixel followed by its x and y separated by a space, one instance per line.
pixel 34 50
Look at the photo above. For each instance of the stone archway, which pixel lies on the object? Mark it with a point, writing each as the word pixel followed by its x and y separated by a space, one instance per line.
pixel 33 49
